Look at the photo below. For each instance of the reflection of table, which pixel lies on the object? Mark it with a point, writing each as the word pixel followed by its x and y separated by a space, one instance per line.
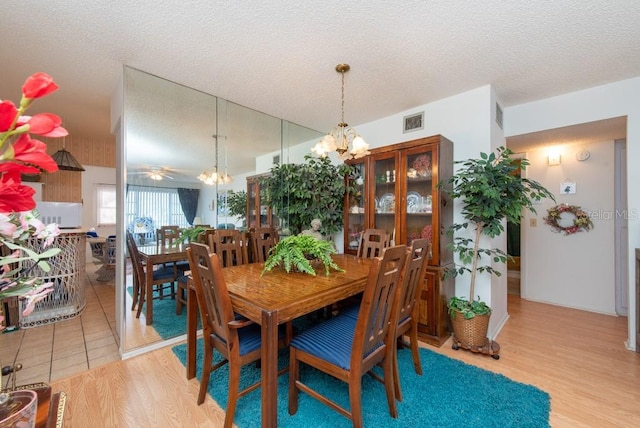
pixel 153 255
pixel 274 299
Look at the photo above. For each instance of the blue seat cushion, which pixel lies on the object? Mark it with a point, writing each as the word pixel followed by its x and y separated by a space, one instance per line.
pixel 250 337
pixel 163 273
pixel 330 340
pixel 351 311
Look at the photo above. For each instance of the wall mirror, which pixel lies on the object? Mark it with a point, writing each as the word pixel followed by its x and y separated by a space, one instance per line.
pixel 170 134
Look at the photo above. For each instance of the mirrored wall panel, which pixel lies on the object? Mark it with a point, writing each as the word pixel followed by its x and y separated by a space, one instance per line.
pixel 172 135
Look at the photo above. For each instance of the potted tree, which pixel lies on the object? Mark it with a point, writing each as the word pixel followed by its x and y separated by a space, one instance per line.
pixel 491 190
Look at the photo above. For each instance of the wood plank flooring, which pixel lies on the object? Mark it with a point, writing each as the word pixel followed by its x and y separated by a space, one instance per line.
pixel 578 357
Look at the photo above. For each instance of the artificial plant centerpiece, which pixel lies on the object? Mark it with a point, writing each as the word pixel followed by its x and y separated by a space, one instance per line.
pixel 298 253
pixel 491 191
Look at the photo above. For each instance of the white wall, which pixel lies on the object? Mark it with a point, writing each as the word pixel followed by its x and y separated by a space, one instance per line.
pixel 602 102
pixel 91 177
pixel 572 270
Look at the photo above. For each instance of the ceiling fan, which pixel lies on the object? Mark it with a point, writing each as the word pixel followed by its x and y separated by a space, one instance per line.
pixel 156 174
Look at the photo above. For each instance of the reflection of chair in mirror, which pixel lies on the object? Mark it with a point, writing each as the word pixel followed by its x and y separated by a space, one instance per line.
pixel 163 278
pixel 167 236
pixel 262 239
pixel 143 228
pixel 230 246
pixel 347 348
pixel 238 340
pixel 372 242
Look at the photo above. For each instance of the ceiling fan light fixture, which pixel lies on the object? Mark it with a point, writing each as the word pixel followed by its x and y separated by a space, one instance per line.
pixel 66 161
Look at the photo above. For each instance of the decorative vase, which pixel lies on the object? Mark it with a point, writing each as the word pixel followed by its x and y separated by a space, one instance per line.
pixel 19 409
pixel 470 332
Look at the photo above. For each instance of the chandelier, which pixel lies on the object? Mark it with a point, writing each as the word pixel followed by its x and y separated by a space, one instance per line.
pixel 213 176
pixel 340 137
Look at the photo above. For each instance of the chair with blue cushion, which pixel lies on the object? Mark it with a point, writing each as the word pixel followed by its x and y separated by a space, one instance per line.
pixel 405 317
pixel 238 340
pixel 163 278
pixel 347 348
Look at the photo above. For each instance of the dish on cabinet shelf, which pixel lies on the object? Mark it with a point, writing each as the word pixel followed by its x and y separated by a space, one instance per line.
pixel 422 165
pixel 413 199
pixel 387 203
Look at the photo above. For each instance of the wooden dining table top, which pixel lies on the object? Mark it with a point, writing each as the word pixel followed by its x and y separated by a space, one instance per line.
pixel 295 294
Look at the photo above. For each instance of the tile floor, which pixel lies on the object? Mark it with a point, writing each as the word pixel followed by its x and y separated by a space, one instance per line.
pixel 61 349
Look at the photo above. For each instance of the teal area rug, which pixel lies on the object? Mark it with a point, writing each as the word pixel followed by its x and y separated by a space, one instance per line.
pixel 450 393
pixel 165 320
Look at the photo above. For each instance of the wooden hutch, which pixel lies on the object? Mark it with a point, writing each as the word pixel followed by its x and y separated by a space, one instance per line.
pixel 397 192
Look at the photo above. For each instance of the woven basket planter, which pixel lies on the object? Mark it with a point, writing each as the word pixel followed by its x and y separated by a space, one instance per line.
pixel 470 332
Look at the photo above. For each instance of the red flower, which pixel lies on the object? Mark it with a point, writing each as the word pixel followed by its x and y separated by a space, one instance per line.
pixel 38 85
pixel 27 155
pixel 45 124
pixel 8 112
pixel 15 197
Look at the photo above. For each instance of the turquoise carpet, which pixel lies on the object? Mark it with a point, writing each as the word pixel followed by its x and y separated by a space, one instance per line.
pixel 165 321
pixel 450 393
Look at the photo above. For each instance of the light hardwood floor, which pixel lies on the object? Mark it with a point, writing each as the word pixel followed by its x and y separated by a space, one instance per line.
pixel 577 357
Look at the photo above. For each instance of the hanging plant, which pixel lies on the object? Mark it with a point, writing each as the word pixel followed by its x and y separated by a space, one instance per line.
pixel 555 219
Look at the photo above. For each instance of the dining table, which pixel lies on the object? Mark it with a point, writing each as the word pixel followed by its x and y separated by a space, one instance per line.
pixel 152 255
pixel 274 298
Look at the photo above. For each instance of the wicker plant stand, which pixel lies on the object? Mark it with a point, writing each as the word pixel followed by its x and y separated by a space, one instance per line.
pixel 471 334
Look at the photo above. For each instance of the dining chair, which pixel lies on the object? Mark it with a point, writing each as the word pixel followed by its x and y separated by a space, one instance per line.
pixel 238 340
pixel 405 317
pixel 372 242
pixel 230 246
pixel 262 239
pixel 167 236
pixel 163 278
pixel 347 348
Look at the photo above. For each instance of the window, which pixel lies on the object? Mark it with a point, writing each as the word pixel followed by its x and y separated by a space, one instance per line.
pixel 106 204
pixel 160 204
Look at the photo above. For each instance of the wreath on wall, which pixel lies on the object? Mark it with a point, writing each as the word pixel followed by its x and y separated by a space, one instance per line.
pixel 581 219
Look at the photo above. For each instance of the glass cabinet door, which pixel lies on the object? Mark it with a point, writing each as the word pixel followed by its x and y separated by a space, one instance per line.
pixel 357 208
pixel 385 204
pixel 418 205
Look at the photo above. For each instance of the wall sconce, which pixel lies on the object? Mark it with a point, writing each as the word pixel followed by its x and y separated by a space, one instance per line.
pixel 553 157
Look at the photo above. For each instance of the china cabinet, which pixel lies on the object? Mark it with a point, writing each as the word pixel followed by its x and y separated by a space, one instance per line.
pixel 397 192
pixel 259 214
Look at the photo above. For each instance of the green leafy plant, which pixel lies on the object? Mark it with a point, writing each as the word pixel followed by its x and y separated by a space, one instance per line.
pixel 236 203
pixel 190 234
pixel 316 189
pixel 297 253
pixel 491 191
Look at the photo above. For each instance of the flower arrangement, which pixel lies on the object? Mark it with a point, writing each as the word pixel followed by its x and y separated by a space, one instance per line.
pixel 21 154
pixel 581 219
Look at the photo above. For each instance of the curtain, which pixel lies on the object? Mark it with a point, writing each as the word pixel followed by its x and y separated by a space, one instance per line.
pixel 189 202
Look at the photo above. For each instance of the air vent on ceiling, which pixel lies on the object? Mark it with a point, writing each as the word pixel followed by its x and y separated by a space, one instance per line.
pixel 413 122
pixel 276 160
pixel 499 115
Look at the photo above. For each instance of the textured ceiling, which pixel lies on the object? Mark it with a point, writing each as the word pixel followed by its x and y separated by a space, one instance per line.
pixel 278 57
